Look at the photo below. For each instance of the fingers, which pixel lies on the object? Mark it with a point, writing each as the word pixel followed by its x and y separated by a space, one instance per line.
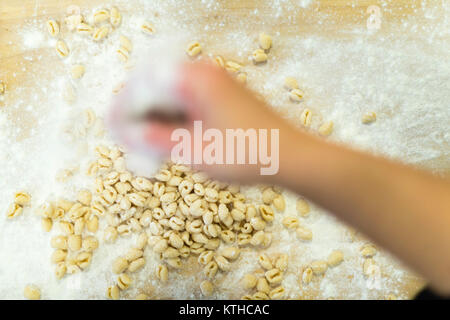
pixel 206 86
pixel 158 135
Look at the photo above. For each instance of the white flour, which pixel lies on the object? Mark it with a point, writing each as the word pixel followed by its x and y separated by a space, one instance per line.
pixel 406 82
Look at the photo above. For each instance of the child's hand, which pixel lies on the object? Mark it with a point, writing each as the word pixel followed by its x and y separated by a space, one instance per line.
pixel 213 97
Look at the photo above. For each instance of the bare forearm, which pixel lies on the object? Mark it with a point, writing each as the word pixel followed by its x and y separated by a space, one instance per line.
pixel 403 209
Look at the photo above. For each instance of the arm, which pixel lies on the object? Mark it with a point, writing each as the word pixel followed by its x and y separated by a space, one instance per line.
pixel 403 209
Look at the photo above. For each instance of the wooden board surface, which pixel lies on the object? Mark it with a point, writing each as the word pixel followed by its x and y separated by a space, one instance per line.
pixel 340 16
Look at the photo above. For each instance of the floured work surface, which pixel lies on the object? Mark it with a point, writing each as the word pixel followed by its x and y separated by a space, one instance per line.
pixel 400 72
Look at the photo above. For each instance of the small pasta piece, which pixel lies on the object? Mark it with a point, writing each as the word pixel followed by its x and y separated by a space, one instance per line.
pixel 72 268
pixel 369 117
pixel 78 227
pixel 125 43
pixel 60 270
pixel 212 244
pixel 74 242
pixel 244 239
pixel 147 28
pixel 259 56
pixel 335 258
pixel 113 292
pixel 368 251
pixel 222 263
pixel 266 213
pixel 277 293
pixel 89 244
pixel 88 117
pixel 265 262
pixel 194 49
pixel 46 210
pixel 174 262
pixel 66 227
pixel 46 224
pixel 290 83
pixel 164 175
pixel 101 16
pixel 232 66
pixel 58 255
pixel 260 296
pixel 326 128
pixel 136 265
pixel 304 233
pixel 22 198
pixel 170 253
pixel 2 87
pixel 279 203
pixel 268 195
pixel 237 215
pixel 306 118
pixel 220 61
pixel 207 288
pixel 119 265
pixel 124 281
pixel 262 285
pixel 257 223
pixel 73 20
pixel 84 28
pixel 32 292
pixel 115 17
pixel 257 238
pixel 64 204
pixel 249 281
pixel 290 222
pixel 123 54
pixel 133 254
pixel 141 241
pixel 100 33
pixel 274 276
pixel 59 242
pixel 265 41
pixel 319 267
pixel 307 275
pixel 205 257
pixel 92 224
pixel 160 246
pixel 296 95
pixel 14 210
pixel 162 273
pixel 231 253
pixel 369 267
pixel 303 207
pixel 84 197
pixel 77 71
pixel 110 234
pixel 210 269
pixel 61 49
pixel 53 27
pixel 84 259
pixel 281 262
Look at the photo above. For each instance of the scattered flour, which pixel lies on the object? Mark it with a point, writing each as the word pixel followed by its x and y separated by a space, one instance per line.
pixel 404 77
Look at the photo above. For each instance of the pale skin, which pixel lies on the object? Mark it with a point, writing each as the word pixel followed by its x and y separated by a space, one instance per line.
pixel 403 209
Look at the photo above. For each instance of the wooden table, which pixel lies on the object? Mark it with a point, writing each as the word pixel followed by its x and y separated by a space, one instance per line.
pixel 342 16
